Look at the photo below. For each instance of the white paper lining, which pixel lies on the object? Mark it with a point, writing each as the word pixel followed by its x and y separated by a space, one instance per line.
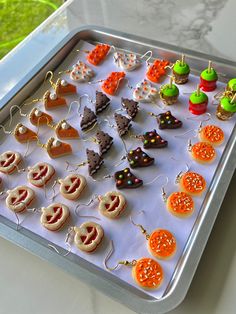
pixel 128 241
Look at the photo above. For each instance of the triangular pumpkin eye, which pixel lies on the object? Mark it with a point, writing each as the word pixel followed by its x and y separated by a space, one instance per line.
pixel 83 238
pixel 113 197
pixel 49 217
pixel 9 155
pixel 89 229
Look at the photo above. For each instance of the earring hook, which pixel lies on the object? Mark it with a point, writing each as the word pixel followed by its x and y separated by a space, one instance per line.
pixel 11 115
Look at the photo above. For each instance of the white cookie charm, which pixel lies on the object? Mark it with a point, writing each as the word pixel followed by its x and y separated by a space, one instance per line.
pixel 112 204
pixel 9 162
pixel 126 61
pixel 81 72
pixel 54 216
pixel 72 186
pixel 88 236
pixel 145 92
pixel 19 198
pixel 40 174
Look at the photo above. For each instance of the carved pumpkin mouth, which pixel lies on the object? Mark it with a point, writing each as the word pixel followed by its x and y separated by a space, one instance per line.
pixel 22 196
pixel 75 185
pixel 41 174
pixel 91 237
pixel 10 159
pixel 51 219
pixel 115 203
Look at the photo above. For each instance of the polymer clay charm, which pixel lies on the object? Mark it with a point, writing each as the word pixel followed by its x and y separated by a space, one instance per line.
pixel 88 236
pixel 180 204
pixel 169 93
pixel 231 86
pixel 54 216
pixel 208 79
pixel 156 70
pixel 167 121
pixel 65 131
pixel 111 84
pixel 23 134
pixel 56 148
pixel 138 158
pixel 202 152
pixel 102 102
pixel 94 161
pixel 126 61
pixel 191 183
pixel 81 72
pixel 130 106
pixel 198 102
pixel 112 204
pixel 98 54
pixel 89 119
pixel 226 108
pixel 211 134
pixel 123 124
pixel 62 87
pixel 72 186
pixel 38 117
pixel 52 101
pixel 9 161
pixel 40 174
pixel 181 71
pixel 19 198
pixel 145 92
pixel 104 141
pixel 153 140
pixel 126 180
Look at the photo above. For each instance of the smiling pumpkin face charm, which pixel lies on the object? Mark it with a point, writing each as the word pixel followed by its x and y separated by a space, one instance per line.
pixel 112 204
pixel 40 174
pixel 88 236
pixel 9 161
pixel 54 216
pixel 72 186
pixel 19 198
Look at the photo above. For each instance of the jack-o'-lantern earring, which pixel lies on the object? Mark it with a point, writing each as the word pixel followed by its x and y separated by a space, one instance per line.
pixel 146 272
pixel 161 242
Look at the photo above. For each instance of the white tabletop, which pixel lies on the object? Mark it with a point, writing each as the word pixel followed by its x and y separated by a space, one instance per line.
pixel 29 284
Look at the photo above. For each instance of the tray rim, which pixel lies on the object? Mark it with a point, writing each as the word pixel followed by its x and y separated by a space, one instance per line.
pixel 180 286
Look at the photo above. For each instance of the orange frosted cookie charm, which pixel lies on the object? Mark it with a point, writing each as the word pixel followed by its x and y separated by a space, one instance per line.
pixel 147 273
pixel 180 204
pixel 98 54
pixel 156 70
pixel 23 134
pixel 9 161
pixel 62 87
pixel 192 183
pixel 65 131
pixel 38 117
pixel 162 244
pixel 56 148
pixel 111 84
pixel 202 152
pixel 51 101
pixel 211 134
pixel 54 216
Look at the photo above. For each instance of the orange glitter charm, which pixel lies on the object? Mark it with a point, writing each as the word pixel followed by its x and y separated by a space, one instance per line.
pixel 211 134
pixel 156 70
pixel 180 204
pixel 148 273
pixel 192 183
pixel 111 84
pixel 162 244
pixel 98 54
pixel 203 152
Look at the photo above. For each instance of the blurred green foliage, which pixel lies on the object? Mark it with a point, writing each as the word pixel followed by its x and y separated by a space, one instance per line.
pixel 20 17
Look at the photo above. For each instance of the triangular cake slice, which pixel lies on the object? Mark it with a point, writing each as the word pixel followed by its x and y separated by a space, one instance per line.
pixel 65 131
pixel 102 102
pixel 125 179
pixel 88 119
pixel 94 160
pixel 38 117
pixel 56 148
pixel 130 106
pixel 105 141
pixel 64 88
pixel 23 134
pixel 153 140
pixel 122 123
pixel 167 121
pixel 51 100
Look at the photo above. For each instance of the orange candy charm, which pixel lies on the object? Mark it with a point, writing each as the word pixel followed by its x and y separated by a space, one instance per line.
pixel 156 70
pixel 162 243
pixel 192 183
pixel 211 134
pixel 180 204
pixel 111 84
pixel 148 273
pixel 99 53
pixel 203 152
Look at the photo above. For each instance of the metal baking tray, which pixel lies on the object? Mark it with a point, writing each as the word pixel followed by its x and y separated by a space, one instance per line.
pixel 102 280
